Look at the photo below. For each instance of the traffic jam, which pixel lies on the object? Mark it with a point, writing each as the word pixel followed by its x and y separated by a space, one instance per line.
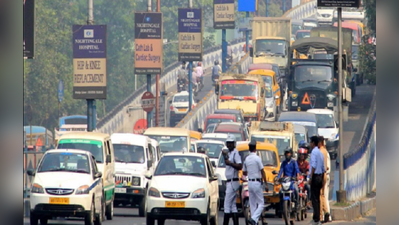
pixel 288 95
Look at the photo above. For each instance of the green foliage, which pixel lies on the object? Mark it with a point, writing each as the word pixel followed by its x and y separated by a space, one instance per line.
pixel 370 6
pixel 368 62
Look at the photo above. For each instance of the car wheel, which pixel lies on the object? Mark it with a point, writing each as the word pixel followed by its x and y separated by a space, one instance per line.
pixel 150 220
pixel 43 221
pixel 34 220
pixel 89 218
pixel 161 221
pixel 99 217
pixel 110 211
pixel 142 207
pixel 206 220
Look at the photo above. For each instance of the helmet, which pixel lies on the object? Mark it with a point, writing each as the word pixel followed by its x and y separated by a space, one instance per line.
pixel 288 150
pixel 199 64
pixel 304 145
pixel 303 151
pixel 231 138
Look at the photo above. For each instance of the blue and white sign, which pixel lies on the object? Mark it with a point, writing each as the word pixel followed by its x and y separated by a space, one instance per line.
pixel 247 5
pixel 190 35
pixel 60 91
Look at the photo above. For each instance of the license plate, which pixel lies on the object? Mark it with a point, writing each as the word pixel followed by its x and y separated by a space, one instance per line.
pixel 61 201
pixel 120 190
pixel 175 204
pixel 182 110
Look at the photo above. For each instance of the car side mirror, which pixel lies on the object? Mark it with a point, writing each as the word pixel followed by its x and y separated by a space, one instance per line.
pixel 148 175
pixel 108 159
pixel 149 163
pixel 98 175
pixel 274 172
pixel 214 178
pixel 251 51
pixel 30 173
pixel 213 163
pixel 170 102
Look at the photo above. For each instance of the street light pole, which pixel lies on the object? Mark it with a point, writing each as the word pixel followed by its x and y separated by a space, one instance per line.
pixel 341 193
pixel 91 103
pixel 190 66
pixel 157 82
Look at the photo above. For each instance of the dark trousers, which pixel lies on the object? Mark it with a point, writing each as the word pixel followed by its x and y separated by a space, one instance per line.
pixel 316 185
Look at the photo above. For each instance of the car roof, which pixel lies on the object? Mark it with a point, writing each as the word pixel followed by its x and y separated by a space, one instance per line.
pixel 85 135
pixel 132 139
pixel 299 128
pixel 182 93
pixel 68 150
pixel 259 146
pixel 209 141
pixel 220 116
pixel 227 111
pixel 200 155
pixel 216 135
pixel 297 116
pixel 320 111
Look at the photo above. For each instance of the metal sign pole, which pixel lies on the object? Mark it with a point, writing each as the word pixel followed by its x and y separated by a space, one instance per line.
pixel 341 194
pixel 247 36
pixel 190 71
pixel 90 102
pixel 149 114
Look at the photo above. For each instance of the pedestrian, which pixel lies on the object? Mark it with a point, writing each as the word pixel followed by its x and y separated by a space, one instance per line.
pixel 253 169
pixel 316 175
pixel 289 168
pixel 324 203
pixel 233 163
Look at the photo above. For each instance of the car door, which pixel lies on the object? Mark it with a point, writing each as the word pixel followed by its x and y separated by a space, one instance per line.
pixel 98 188
pixel 213 188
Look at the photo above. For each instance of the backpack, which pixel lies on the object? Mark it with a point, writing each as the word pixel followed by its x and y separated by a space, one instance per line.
pixel 215 70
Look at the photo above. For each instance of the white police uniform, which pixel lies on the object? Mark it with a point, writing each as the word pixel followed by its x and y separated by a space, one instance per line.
pixel 253 165
pixel 232 183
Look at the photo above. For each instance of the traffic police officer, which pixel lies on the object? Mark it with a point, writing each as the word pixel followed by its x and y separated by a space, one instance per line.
pixel 233 165
pixel 253 168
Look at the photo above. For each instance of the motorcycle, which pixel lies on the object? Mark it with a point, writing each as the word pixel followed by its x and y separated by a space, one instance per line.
pixel 181 85
pixel 288 205
pixel 303 198
pixel 200 84
pixel 245 203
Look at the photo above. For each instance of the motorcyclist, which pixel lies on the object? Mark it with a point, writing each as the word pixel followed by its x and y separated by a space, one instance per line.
pixel 216 70
pixel 200 72
pixel 181 76
pixel 303 164
pixel 289 167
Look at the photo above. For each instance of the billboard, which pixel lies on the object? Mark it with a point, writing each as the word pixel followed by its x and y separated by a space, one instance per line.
pixel 29 27
pixel 339 3
pixel 190 34
pixel 89 61
pixel 148 42
pixel 224 14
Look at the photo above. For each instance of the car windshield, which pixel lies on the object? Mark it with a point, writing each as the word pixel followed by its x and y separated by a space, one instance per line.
pixel 237 135
pixel 171 143
pixel 295 28
pixel 269 158
pixel 65 162
pixel 93 146
pixel 238 88
pixel 311 127
pixel 301 35
pixel 181 165
pixel 129 153
pixel 212 149
pixel 280 142
pixel 181 98
pixel 355 52
pixel 268 89
pixel 273 47
pixel 300 137
pixel 210 128
pixel 325 120
pixel 218 120
pixel 312 74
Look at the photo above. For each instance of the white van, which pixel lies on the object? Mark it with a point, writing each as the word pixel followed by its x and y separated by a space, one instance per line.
pixel 133 159
pixel 100 146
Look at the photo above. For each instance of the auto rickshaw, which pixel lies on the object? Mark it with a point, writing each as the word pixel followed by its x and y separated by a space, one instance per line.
pixel 195 135
pixel 271 165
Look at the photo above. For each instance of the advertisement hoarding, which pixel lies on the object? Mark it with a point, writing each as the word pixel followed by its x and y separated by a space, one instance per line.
pixel 190 35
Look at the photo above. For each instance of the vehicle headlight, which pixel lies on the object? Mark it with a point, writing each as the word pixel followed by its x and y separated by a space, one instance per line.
pixel 136 181
pixel 83 190
pixel 36 188
pixel 154 192
pixel 286 186
pixel 200 193
pixel 294 95
pixel 330 97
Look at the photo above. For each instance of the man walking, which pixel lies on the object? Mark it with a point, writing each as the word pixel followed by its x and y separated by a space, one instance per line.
pixel 315 177
pixel 233 163
pixel 253 169
pixel 324 203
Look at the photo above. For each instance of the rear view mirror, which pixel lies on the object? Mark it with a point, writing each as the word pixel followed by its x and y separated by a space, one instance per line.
pixel 98 175
pixel 213 163
pixel 109 159
pixel 148 175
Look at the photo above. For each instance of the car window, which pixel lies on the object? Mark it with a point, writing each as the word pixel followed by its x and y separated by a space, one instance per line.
pixel 94 166
pixel 209 168
pixel 181 165
pixel 269 158
pixel 192 148
pixel 66 162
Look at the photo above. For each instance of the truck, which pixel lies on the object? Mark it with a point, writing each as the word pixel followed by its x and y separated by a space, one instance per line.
pixel 313 83
pixel 271 38
pixel 242 91
pixel 332 32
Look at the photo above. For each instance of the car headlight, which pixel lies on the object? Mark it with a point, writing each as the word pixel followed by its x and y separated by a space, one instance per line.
pixel 154 192
pixel 36 188
pixel 330 97
pixel 83 190
pixel 200 193
pixel 136 181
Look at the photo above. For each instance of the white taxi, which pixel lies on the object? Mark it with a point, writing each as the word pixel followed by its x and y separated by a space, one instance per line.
pixel 67 183
pixel 183 187
pixel 179 107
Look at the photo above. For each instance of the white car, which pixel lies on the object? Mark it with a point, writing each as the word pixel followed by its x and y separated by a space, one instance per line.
pixel 183 187
pixel 213 149
pixel 325 15
pixel 179 107
pixel 328 128
pixel 67 183
pixel 214 136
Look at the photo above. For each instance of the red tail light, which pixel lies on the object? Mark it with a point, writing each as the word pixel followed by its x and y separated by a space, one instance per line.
pixel 171 107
